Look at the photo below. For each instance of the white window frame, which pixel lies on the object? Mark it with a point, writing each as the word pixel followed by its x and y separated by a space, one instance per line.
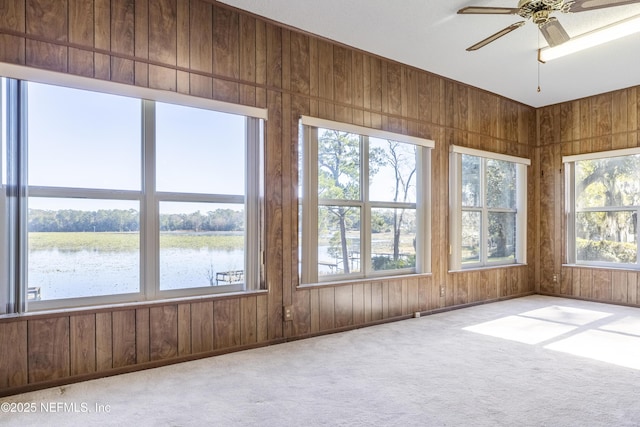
pixel 569 163
pixel 13 254
pixel 309 202
pixel 456 208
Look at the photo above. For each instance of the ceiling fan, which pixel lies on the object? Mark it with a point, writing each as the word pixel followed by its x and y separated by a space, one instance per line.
pixel 539 11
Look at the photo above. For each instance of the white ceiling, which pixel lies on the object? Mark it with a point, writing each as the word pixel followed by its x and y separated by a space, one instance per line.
pixel 429 35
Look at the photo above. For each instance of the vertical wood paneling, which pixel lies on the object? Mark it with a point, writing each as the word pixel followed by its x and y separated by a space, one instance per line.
pixel 301 312
pixel 327 308
pixel 376 301
pixel 325 80
pixel 201 38
pixel 633 288
pixel 141 36
pixel 566 281
pixel 163 28
pixel 289 128
pixel 13 369
pixel 358 304
pixel 201 48
pixel 226 49
pixel 314 302
pixel 226 323
pixel 184 329
pixel 46 55
pixel 300 73
pixel 343 306
pixel 142 335
pixel 395 298
pixel 274 215
pixel 81 23
pixel 82 342
pixel 122 40
pixel 104 341
pixel 183 32
pixel 47 19
pixel 163 332
pixel 12 17
pixel 261 62
pixel 247 59
pixel 619 286
pixel 394 95
pixel 163 25
pixel 602 285
pixel 102 38
pixel 342 82
pixel 249 319
pixel 586 283
pixel 124 338
pixel 48 349
pixel 208 50
pixel 262 318
pixel 202 327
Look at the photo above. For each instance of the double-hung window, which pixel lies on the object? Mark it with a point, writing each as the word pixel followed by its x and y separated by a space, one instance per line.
pixel 364 197
pixel 114 194
pixel 602 208
pixel 488 215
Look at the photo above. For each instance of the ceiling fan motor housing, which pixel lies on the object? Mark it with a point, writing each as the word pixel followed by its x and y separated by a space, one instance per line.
pixel 539 10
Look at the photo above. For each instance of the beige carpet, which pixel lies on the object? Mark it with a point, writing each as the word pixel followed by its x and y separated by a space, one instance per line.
pixel 533 361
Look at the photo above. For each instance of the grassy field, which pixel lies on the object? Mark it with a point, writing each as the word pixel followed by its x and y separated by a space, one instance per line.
pixel 118 242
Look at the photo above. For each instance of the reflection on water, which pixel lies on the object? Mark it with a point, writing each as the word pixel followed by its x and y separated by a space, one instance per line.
pixel 73 274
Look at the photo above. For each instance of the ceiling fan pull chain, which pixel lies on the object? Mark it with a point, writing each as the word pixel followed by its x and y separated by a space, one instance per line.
pixel 538 62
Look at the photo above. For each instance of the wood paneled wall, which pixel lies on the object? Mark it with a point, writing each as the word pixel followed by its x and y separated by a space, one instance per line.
pixel 209 50
pixel 604 122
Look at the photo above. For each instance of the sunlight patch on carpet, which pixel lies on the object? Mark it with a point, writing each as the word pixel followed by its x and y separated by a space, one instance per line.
pixel 570 315
pixel 521 329
pixel 610 347
pixel 629 325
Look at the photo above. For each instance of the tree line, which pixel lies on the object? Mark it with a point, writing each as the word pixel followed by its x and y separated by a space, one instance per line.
pixel 128 220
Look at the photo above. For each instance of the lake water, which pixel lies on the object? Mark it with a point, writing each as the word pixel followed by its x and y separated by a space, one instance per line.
pixel 67 274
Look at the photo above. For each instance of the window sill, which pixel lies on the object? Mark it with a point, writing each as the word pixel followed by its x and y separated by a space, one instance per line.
pixel 362 280
pixel 130 305
pixel 491 267
pixel 602 267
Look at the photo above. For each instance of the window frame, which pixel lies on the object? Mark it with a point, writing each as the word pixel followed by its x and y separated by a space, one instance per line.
pixel 456 209
pixel 569 164
pixel 309 202
pixel 15 194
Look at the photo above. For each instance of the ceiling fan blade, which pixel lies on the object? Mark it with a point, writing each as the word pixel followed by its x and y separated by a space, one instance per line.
pixel 553 32
pixel 488 10
pixel 586 5
pixel 496 36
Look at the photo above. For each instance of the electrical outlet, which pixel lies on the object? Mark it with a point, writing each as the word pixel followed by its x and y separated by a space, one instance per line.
pixel 442 291
pixel 555 278
pixel 287 312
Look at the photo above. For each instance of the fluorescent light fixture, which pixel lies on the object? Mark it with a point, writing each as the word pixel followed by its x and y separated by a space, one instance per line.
pixel 593 38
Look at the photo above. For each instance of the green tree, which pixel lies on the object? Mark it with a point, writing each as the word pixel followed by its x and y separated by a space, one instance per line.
pixel 339 179
pixel 607 235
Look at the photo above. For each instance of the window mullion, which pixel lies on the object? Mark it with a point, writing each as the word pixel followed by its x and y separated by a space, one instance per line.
pixel 484 217
pixel 365 212
pixel 310 207
pixel 253 170
pixel 16 198
pixel 637 238
pixel 149 233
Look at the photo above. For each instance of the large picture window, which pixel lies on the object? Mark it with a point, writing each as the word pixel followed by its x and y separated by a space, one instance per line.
pixel 363 202
pixel 603 203
pixel 108 197
pixel 488 209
